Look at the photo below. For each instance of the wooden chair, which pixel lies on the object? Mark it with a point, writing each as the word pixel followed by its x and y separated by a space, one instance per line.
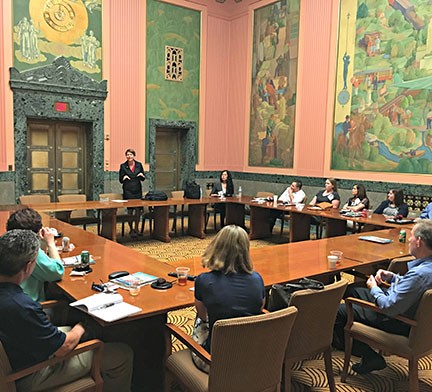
pixel 312 332
pixel 90 382
pixel 180 210
pixel 34 199
pixel 79 217
pixel 412 347
pixel 122 215
pixel 210 211
pixel 247 355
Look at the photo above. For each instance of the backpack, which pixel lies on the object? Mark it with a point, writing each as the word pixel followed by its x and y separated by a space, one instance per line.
pixel 192 190
pixel 155 196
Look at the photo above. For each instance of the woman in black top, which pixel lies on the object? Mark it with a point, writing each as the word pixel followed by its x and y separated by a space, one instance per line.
pixel 131 174
pixel 359 201
pixel 394 204
pixel 224 187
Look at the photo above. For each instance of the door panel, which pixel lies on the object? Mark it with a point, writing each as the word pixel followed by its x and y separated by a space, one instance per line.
pixel 56 158
pixel 167 159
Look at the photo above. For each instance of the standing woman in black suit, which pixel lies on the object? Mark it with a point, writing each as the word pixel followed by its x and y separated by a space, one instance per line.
pixel 224 187
pixel 131 174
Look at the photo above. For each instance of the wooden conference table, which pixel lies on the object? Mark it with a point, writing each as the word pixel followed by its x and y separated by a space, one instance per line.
pixel 276 264
pixel 260 215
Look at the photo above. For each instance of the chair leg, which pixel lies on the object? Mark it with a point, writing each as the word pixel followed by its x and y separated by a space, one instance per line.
pixel 348 348
pixel 413 375
pixel 84 226
pixel 123 228
pixel 329 369
pixel 214 220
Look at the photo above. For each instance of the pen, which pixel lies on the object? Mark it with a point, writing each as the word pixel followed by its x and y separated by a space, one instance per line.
pixel 105 306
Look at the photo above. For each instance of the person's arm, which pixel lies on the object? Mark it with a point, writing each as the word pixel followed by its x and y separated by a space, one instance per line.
pixel 297 197
pixel 122 174
pixel 47 236
pixel 313 201
pixel 381 207
pixel 335 203
pixel 427 212
pixel 284 197
pixel 141 173
pixel 72 339
pixel 403 210
pixel 201 309
pixel 216 188
pixel 359 207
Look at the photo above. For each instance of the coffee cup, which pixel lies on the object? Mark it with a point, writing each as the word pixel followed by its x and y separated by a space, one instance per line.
pixel 369 213
pixel 337 253
pixel 275 199
pixel 332 261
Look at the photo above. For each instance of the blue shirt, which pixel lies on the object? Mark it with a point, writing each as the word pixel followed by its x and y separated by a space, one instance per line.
pixel 427 212
pixel 228 296
pixel 27 335
pixel 405 292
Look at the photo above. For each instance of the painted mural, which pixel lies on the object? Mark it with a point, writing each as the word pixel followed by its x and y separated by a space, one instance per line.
pixel 46 29
pixel 383 103
pixel 274 84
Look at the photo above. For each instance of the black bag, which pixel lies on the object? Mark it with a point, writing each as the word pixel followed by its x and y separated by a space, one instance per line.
pixel 156 196
pixel 192 190
pixel 280 294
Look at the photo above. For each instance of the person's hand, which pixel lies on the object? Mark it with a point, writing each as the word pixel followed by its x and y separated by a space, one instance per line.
pixel 371 282
pixel 383 276
pixel 126 177
pixel 140 175
pixel 47 236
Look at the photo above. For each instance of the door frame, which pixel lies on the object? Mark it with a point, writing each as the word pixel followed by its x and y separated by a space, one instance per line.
pixel 188 146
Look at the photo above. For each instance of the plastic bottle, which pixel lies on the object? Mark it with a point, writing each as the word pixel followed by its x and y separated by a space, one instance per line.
pixel 240 191
pixel 201 192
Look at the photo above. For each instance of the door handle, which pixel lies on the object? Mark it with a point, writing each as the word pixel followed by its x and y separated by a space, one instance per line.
pixel 58 181
pixel 52 179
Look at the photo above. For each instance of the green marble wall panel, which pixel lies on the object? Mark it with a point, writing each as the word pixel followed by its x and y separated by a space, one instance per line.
pixel 178 27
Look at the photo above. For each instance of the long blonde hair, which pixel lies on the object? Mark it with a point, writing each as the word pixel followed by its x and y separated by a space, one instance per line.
pixel 229 252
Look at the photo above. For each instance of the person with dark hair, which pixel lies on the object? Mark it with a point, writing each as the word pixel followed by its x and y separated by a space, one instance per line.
pixel 293 194
pixel 328 195
pixel 29 337
pixel 49 267
pixel 224 187
pixel 400 298
pixel 359 200
pixel 394 204
pixel 232 288
pixel 131 174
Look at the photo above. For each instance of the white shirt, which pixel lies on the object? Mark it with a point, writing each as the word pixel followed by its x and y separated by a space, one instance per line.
pixel 298 196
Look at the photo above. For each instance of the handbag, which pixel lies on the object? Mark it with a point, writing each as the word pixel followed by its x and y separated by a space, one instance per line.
pixel 156 196
pixel 200 334
pixel 280 294
pixel 192 190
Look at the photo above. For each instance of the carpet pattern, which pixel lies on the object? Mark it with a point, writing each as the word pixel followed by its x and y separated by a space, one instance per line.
pixel 308 375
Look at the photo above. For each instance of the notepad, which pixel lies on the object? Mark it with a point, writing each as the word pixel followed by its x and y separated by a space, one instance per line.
pixel 138 278
pixel 373 238
pixel 73 261
pixel 107 307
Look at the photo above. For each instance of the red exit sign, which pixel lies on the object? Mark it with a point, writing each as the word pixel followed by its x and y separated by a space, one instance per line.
pixel 61 106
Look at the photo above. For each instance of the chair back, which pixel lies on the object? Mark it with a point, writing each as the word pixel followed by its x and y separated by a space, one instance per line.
pixel 113 196
pixel 207 192
pixel 313 329
pixel 420 337
pixel 5 370
pixel 264 194
pixel 73 199
pixel 248 352
pixel 177 194
pixel 34 199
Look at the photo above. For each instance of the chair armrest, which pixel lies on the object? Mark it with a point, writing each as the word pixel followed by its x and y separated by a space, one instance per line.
pixel 52 304
pixel 371 306
pixel 91 345
pixel 189 342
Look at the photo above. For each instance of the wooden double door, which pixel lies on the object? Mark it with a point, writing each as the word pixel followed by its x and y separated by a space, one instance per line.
pixel 56 158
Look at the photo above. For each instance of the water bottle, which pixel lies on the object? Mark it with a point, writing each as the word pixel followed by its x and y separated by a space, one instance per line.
pixel 200 192
pixel 240 191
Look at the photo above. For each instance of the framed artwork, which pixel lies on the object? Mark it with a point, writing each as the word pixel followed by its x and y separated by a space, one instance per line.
pixel 383 100
pixel 274 84
pixel 46 29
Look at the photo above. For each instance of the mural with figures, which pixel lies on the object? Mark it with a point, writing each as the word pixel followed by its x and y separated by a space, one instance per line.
pixel 274 83
pixel 46 29
pixel 383 103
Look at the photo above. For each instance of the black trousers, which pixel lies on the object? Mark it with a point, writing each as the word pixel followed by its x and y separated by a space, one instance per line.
pixel 364 316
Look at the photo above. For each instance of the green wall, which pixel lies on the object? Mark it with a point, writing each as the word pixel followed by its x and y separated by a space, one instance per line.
pixel 180 27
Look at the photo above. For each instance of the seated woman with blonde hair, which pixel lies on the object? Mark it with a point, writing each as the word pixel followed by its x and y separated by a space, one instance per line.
pixel 232 288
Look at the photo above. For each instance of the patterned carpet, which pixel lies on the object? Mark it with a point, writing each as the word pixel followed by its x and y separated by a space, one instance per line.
pixel 308 375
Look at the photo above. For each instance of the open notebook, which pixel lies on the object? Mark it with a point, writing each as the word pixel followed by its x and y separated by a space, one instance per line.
pixel 107 307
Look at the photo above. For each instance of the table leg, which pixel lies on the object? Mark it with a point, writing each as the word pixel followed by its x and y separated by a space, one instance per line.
pixel 336 227
pixel 196 220
pixel 109 223
pixel 235 214
pixel 300 227
pixel 161 223
pixel 259 223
